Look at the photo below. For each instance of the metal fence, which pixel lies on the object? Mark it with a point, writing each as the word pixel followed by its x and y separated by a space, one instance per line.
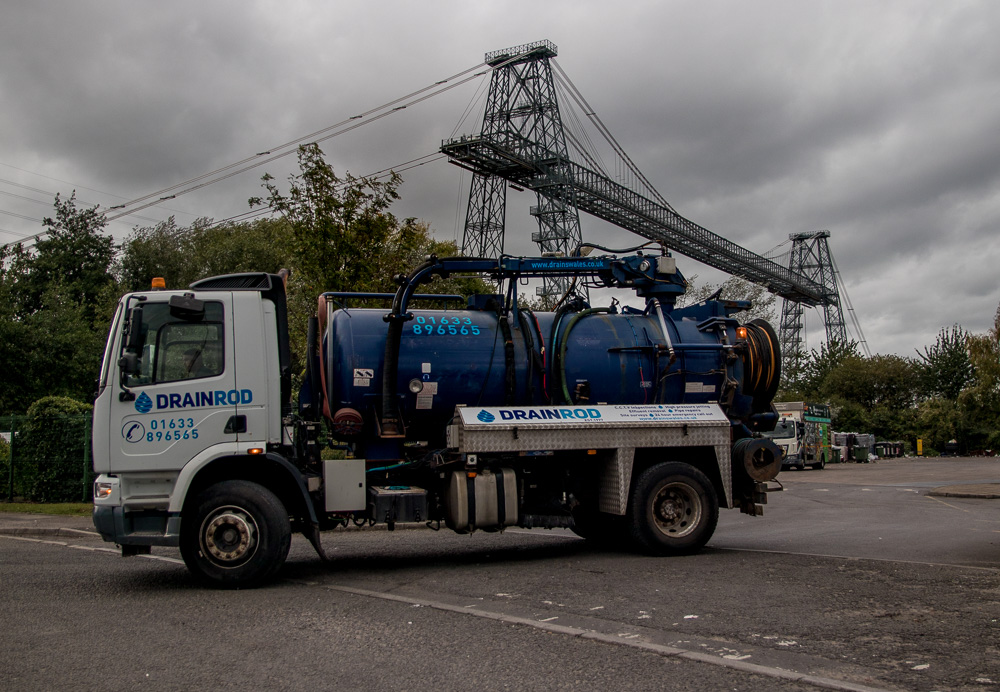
pixel 46 458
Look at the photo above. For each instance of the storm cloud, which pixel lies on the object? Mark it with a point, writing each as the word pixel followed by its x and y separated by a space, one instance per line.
pixel 876 121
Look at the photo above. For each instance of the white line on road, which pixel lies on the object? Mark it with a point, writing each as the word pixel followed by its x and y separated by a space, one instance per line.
pixel 947 504
pixel 113 551
pixel 623 639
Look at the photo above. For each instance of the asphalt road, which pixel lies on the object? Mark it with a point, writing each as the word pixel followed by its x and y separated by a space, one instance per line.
pixel 855 578
pixel 877 511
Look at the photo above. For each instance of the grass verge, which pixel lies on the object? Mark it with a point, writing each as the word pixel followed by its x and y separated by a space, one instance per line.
pixel 76 509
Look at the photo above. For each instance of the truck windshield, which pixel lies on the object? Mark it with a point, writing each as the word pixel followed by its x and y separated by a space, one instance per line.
pixel 784 428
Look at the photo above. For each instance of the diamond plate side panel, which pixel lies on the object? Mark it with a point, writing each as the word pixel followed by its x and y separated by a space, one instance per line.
pixel 616 478
pixel 515 439
pixel 619 439
pixel 725 464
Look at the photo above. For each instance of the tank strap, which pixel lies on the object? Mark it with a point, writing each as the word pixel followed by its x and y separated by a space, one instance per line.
pixel 508 360
pixel 501 499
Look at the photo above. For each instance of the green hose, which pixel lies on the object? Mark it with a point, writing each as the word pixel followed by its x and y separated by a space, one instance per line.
pixel 562 346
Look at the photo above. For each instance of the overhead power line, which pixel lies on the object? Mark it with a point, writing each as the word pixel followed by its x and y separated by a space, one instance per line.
pixel 75 186
pixel 335 130
pixel 398 168
pixel 269 155
pixel 20 216
pixel 47 203
pixel 65 182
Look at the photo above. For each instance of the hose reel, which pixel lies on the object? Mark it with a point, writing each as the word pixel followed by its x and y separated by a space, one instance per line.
pixel 761 364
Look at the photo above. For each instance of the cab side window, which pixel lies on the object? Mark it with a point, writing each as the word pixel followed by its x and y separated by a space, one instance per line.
pixel 188 351
pixel 176 349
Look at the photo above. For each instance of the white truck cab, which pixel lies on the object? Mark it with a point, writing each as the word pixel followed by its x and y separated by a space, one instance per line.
pixel 191 384
pixel 803 434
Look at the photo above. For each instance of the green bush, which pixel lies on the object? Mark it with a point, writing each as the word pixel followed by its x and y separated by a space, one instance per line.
pixel 50 454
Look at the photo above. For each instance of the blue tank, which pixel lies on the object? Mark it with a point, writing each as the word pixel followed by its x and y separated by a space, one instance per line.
pixel 474 357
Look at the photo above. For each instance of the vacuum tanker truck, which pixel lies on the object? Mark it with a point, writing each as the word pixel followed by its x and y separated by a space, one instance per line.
pixel 623 424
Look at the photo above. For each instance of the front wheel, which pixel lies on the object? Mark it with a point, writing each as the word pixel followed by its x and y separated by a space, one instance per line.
pixel 673 509
pixel 237 536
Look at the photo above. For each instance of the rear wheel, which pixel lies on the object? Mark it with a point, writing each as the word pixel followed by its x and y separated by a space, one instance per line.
pixel 821 464
pixel 238 535
pixel 673 510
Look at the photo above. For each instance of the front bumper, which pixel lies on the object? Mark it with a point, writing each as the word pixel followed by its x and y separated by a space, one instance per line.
pixel 139 524
pixel 143 527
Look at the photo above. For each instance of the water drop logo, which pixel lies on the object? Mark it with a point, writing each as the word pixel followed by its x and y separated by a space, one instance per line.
pixel 143 404
pixel 486 417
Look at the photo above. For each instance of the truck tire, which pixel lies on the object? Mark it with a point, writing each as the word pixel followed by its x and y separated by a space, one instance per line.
pixel 238 535
pixel 822 463
pixel 673 509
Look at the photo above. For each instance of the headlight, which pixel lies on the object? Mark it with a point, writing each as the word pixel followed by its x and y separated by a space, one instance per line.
pixel 102 490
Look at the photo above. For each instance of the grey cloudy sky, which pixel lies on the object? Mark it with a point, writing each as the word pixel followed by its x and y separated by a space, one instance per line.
pixel 875 120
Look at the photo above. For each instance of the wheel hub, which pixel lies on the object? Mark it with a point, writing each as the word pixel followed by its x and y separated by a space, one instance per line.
pixel 676 510
pixel 229 536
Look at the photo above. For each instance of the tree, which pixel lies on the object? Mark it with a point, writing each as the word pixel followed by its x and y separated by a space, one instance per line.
pixel 980 401
pixel 15 336
pixel 815 368
pixel 343 238
pixel 341 227
pixel 763 302
pixel 75 253
pixel 55 302
pixel 938 421
pixel 184 255
pixel 881 391
pixel 881 380
pixel 945 368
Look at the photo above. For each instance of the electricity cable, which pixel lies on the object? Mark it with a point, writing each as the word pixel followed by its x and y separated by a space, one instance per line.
pixel 20 216
pixel 257 160
pixel 75 186
pixel 47 203
pixel 345 128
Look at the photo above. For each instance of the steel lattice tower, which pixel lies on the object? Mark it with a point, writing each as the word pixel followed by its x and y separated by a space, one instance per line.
pixel 522 115
pixel 810 257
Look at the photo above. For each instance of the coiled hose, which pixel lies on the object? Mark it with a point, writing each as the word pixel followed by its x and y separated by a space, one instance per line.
pixel 761 364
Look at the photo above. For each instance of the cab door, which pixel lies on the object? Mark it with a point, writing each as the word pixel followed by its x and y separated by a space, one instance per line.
pixel 255 341
pixel 181 395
